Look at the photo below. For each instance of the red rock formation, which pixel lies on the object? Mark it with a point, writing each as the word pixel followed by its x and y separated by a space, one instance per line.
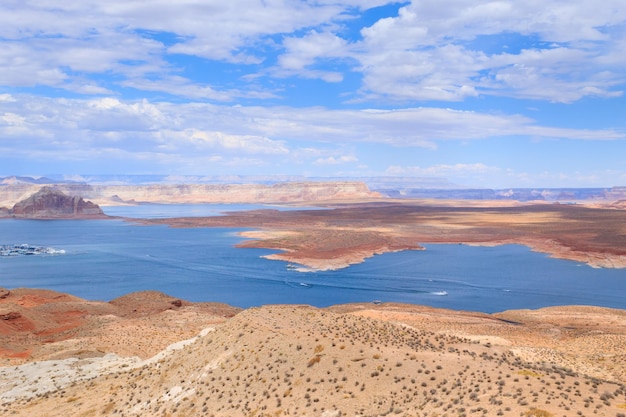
pixel 37 324
pixel 50 203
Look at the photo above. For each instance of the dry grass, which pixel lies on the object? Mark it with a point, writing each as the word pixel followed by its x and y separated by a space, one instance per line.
pixel 526 372
pixel 536 412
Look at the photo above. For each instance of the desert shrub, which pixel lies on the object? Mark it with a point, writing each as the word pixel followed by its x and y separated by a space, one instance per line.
pixel 315 359
pixel 537 412
pixel 526 372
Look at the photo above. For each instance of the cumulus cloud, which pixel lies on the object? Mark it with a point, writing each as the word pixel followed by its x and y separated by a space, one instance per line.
pixel 47 43
pixel 303 52
pixel 432 50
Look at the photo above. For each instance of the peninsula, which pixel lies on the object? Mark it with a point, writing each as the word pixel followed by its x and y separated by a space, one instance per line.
pixel 345 234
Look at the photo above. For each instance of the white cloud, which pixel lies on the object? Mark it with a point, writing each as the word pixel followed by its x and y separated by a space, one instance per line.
pixel 56 61
pixel 47 43
pixel 432 51
pixel 205 138
pixel 479 174
pixel 184 135
pixel 303 52
pixel 220 141
pixel 216 30
pixel 12 119
pixel 443 170
pixel 402 127
pixel 421 75
pixel 463 174
pixel 333 160
pixel 97 121
pixel 179 86
pixel 553 20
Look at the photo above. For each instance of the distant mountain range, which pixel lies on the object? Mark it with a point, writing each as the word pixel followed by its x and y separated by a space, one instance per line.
pixel 518 194
pixel 29 180
pixel 392 187
pixel 372 182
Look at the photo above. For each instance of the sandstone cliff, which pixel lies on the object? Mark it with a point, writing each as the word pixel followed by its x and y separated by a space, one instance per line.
pixel 239 193
pixel 51 203
pixel 292 192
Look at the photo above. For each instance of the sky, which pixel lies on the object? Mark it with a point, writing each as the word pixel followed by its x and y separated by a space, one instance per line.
pixel 488 94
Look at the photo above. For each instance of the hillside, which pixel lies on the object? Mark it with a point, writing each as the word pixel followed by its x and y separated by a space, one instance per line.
pixel 361 359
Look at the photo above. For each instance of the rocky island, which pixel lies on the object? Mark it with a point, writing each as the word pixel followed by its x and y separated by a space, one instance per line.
pixel 51 203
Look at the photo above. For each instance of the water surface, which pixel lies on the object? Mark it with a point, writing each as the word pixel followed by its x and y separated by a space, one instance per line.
pixel 151 211
pixel 105 259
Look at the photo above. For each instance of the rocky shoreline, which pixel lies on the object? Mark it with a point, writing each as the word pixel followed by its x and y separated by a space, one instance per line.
pixel 348 234
pixel 351 232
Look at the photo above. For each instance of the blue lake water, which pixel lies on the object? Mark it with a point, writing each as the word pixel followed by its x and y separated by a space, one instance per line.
pixel 151 211
pixel 105 259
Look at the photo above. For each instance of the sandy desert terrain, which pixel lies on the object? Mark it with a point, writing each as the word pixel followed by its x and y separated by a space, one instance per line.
pixel 102 359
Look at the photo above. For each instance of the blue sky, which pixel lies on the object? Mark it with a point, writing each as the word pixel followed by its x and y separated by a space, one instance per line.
pixel 482 93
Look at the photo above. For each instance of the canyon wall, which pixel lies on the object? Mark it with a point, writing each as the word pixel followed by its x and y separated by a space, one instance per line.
pixel 300 192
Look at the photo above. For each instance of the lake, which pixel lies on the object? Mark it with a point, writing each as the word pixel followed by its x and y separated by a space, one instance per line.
pixel 105 259
pixel 152 211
